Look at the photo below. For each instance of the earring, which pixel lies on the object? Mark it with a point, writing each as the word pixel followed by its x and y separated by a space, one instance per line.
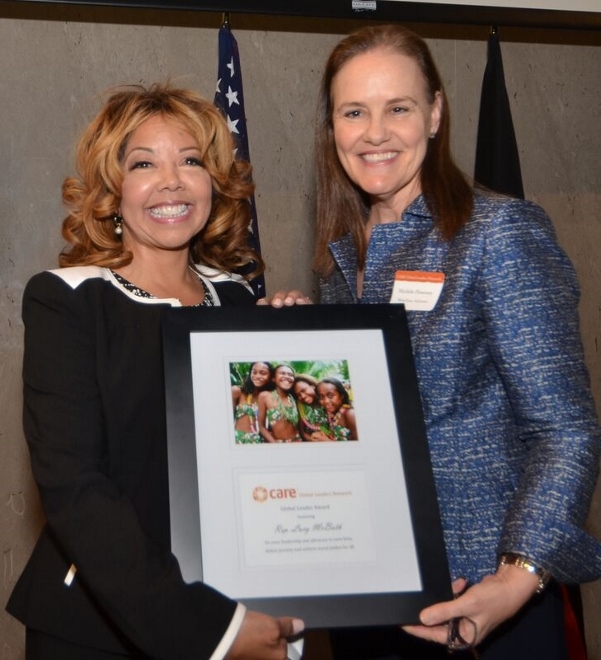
pixel 118 222
pixel 432 135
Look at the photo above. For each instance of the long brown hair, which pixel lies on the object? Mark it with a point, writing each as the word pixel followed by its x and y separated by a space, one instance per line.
pixel 342 207
pixel 93 196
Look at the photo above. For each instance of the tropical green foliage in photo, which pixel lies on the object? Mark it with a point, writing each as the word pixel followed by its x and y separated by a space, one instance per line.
pixel 319 369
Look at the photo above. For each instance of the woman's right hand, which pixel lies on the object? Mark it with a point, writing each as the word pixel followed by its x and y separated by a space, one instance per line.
pixel 263 637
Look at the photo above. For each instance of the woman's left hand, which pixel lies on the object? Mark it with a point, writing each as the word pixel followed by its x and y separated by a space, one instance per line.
pixel 479 609
pixel 286 299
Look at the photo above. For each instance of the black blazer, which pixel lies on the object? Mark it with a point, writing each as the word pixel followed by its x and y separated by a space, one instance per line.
pixel 94 419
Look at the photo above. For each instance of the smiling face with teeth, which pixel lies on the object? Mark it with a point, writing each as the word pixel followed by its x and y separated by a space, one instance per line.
pixel 382 121
pixel 166 193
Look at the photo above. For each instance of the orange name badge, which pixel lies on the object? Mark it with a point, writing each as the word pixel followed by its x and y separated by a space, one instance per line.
pixel 418 290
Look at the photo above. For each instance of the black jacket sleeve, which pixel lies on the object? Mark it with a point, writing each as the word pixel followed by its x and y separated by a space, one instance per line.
pixel 84 356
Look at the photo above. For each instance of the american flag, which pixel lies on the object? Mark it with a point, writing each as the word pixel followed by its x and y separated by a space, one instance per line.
pixel 229 98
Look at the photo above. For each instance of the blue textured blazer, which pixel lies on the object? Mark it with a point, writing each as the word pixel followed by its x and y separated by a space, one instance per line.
pixel 510 419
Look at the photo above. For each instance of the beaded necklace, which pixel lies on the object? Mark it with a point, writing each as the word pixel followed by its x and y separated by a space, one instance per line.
pixel 340 432
pixel 207 301
pixel 313 417
pixel 253 413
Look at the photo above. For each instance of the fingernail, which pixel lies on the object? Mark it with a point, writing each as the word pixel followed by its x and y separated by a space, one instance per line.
pixel 297 626
pixel 289 300
pixel 426 619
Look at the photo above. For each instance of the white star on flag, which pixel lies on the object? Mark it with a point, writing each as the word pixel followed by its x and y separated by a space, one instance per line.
pixel 232 96
pixel 232 125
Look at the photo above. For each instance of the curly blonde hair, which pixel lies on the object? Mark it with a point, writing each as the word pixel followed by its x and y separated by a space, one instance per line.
pixel 93 196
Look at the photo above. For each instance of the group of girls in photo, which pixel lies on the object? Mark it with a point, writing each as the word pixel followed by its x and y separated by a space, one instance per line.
pixel 275 405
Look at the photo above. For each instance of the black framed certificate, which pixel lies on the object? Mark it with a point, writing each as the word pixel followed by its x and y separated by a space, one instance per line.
pixel 336 520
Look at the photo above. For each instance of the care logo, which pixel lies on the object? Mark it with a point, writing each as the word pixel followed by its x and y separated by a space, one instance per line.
pixel 260 494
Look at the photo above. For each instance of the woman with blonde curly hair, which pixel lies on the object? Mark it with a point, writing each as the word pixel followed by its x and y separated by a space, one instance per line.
pixel 94 224
pixel 158 217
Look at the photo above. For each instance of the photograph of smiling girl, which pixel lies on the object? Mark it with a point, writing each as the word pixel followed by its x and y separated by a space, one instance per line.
pixel 292 401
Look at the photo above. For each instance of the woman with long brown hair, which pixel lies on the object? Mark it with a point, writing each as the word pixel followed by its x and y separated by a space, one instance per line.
pixel 492 304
